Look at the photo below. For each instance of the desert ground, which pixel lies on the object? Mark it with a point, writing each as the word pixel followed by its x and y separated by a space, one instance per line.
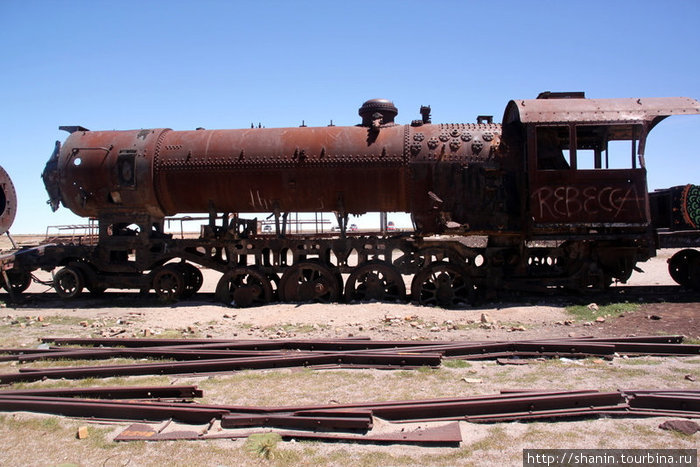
pixel 35 439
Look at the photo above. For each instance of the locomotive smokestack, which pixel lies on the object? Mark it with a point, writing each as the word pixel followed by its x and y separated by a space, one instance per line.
pixel 378 108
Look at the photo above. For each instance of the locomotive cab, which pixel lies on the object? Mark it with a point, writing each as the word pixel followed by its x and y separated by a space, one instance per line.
pixel 587 176
pixel 584 160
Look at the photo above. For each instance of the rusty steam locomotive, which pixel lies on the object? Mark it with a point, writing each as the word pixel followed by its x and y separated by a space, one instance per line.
pixel 554 197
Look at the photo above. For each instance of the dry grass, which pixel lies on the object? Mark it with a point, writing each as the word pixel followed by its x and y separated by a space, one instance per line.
pixel 30 439
pixel 51 440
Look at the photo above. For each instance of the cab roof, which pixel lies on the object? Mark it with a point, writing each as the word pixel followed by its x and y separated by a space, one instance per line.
pixel 646 110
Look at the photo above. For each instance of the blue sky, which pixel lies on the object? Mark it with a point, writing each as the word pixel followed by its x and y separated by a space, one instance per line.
pixel 224 64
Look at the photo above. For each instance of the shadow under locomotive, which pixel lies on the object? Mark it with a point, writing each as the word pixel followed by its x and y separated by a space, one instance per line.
pixel 134 300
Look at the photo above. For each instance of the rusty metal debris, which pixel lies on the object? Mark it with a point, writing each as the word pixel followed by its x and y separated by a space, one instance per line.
pixel 109 410
pixel 115 392
pixel 358 420
pixel 353 422
pixel 447 435
pixel 207 356
pixel 337 359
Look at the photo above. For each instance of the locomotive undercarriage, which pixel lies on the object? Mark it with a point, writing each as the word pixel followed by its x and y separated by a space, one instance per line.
pixel 440 271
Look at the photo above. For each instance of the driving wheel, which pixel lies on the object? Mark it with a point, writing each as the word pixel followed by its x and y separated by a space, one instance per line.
pixel 310 282
pixel 375 280
pixel 684 267
pixel 193 279
pixel 244 287
pixel 443 284
pixel 68 282
pixel 169 282
pixel 19 281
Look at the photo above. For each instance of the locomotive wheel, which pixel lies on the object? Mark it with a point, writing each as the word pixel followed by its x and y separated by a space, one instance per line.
pixel 417 260
pixel 19 281
pixel 244 287
pixel 375 280
pixel 684 268
pixel 169 282
pixel 89 277
pixel 193 279
pixel 310 281
pixel 443 284
pixel 68 282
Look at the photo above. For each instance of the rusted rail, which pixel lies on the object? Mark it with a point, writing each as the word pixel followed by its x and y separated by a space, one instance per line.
pixel 115 392
pixel 343 422
pixel 108 409
pixel 226 364
pixel 446 435
pixel 205 356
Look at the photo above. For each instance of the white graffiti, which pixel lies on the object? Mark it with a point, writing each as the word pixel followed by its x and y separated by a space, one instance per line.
pixel 565 202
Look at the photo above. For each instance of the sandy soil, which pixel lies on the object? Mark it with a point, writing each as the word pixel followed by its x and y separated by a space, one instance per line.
pixel 127 314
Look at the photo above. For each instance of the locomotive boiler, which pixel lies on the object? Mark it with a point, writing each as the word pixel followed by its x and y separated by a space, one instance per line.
pixel 545 200
pixel 376 166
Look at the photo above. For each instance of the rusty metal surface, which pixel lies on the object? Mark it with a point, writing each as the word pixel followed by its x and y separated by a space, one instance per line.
pixel 391 168
pixel 173 354
pixel 226 356
pixel 352 343
pixel 227 364
pixel 266 169
pixel 639 110
pixel 107 170
pixel 344 419
pixel 445 435
pixel 677 402
pixel 489 408
pixel 184 348
pixel 360 422
pixel 108 409
pixel 111 392
pixel 592 197
pixel 448 435
pixel 496 405
pixel 8 202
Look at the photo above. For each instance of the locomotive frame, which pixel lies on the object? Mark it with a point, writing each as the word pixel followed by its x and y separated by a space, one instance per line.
pixel 533 204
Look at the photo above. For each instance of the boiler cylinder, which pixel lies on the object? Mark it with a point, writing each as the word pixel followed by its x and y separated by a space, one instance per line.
pixel 443 174
pixel 163 172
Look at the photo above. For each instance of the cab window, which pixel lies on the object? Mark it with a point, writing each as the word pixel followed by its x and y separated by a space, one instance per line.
pixel 588 147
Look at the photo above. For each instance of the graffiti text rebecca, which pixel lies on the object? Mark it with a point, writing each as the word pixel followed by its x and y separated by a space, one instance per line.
pixel 564 202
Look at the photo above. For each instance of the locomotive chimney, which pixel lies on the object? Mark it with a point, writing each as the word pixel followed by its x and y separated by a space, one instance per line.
pixel 374 109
